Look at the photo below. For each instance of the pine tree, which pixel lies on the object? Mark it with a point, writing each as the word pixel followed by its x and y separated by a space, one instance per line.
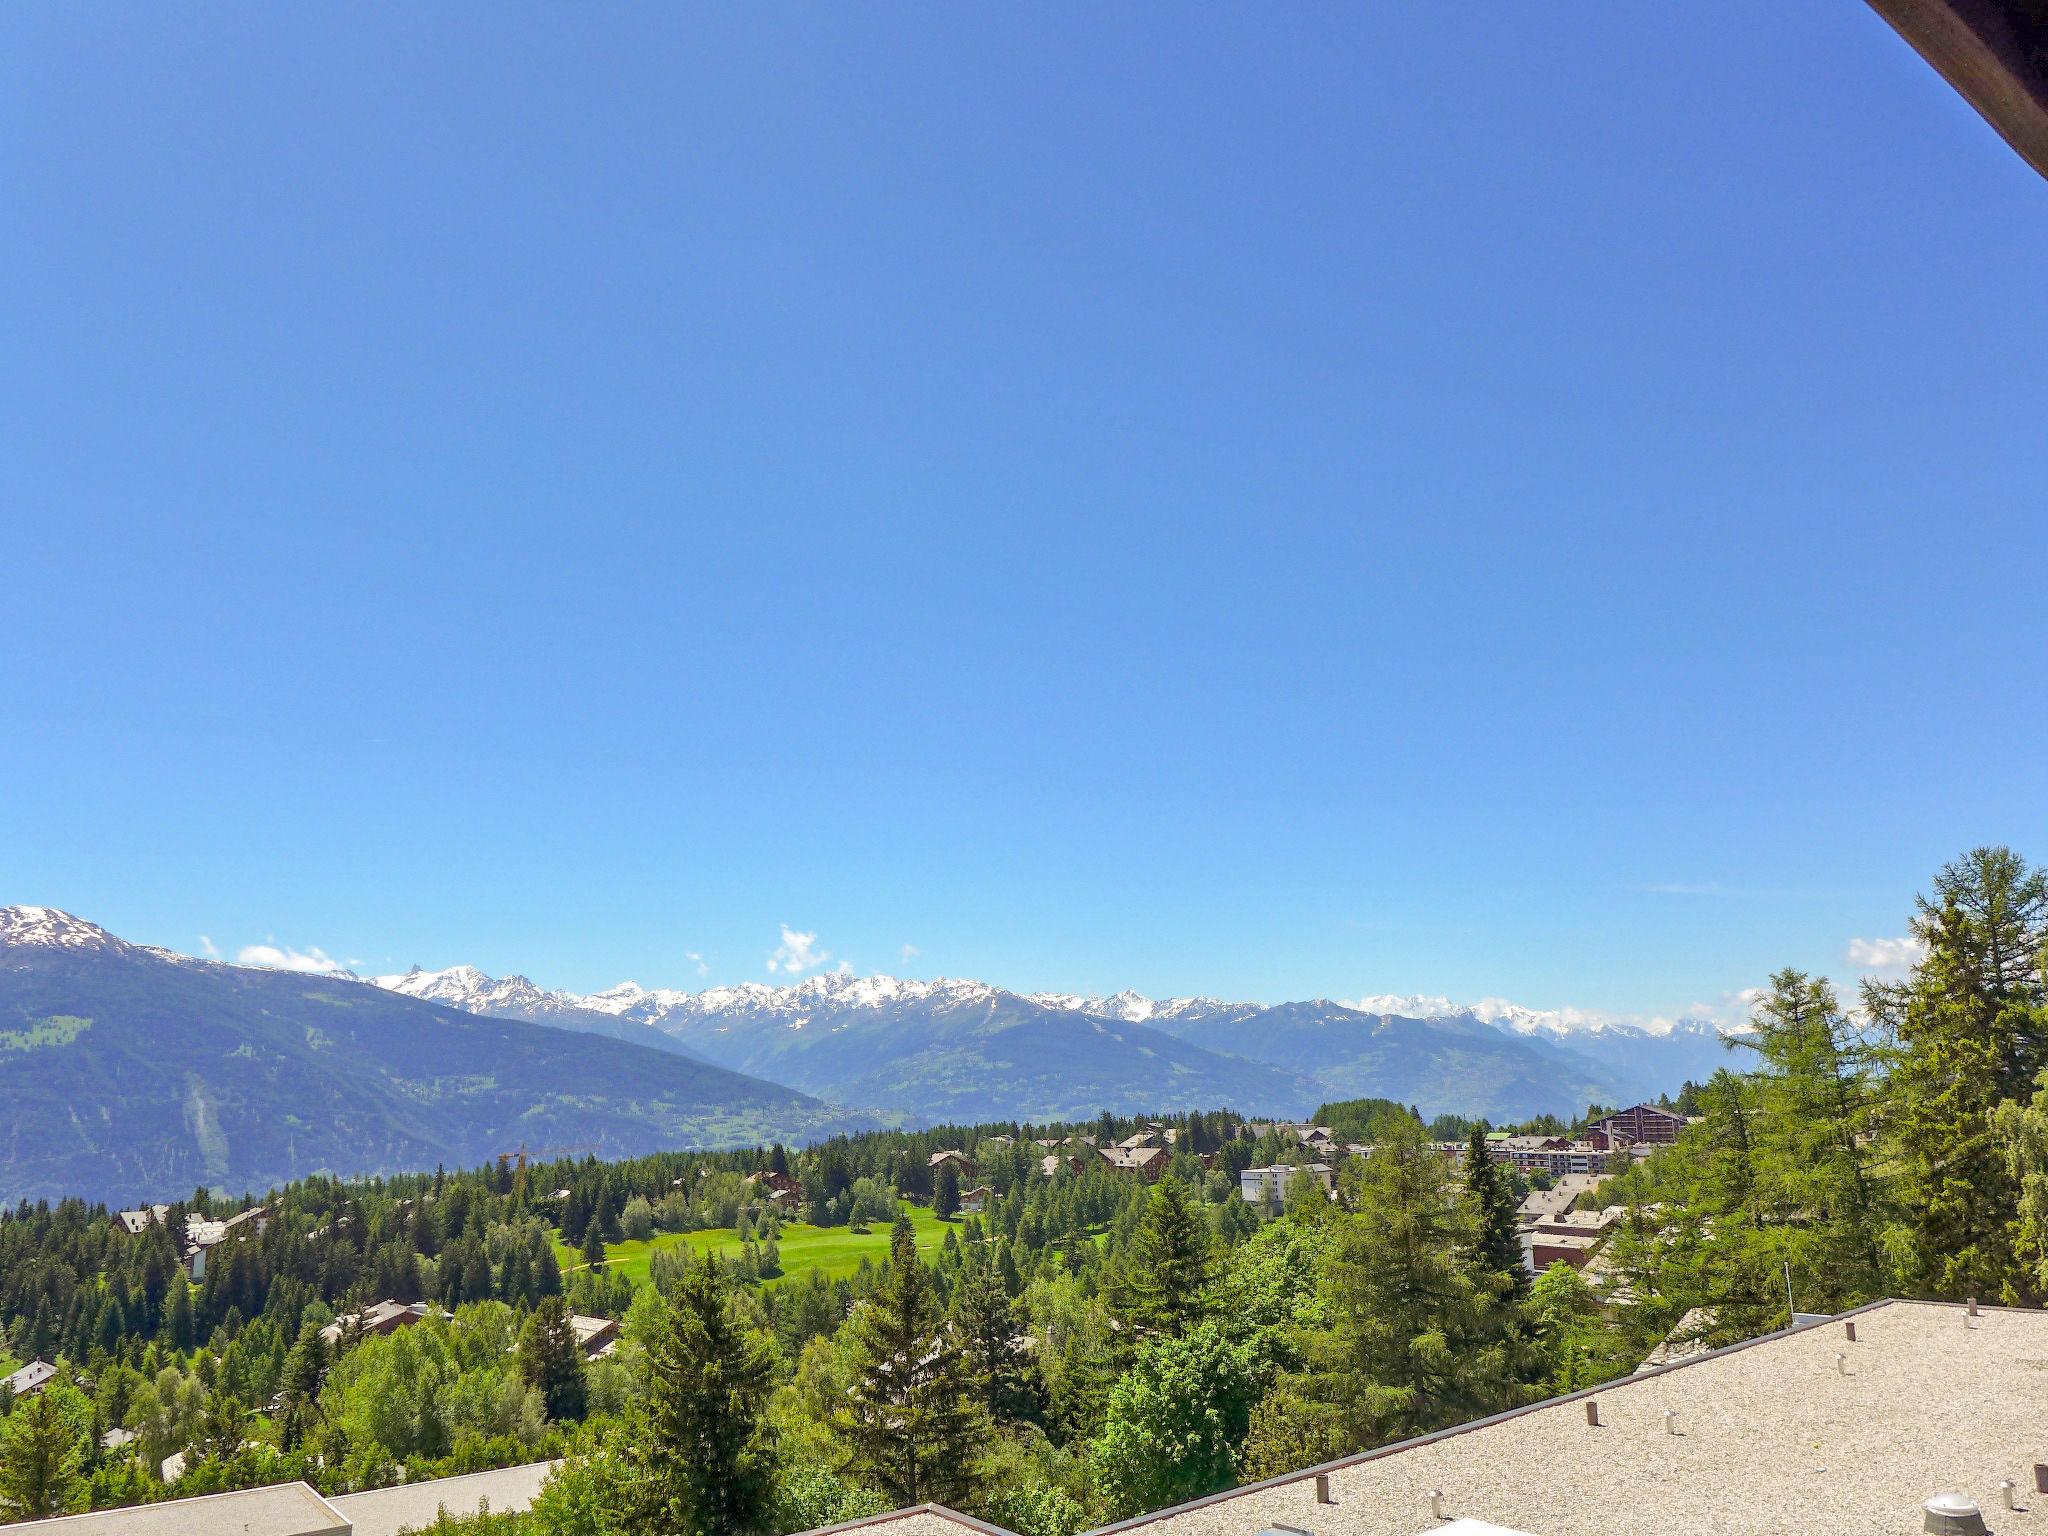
pixel 993 1345
pixel 305 1372
pixel 551 1361
pixel 946 1191
pixel 911 1426
pixel 702 1451
pixel 476 1273
pixel 222 1426
pixel 1167 1271
pixel 1414 1339
pixel 42 1455
pixel 1494 1209
pixel 1810 1144
pixel 593 1246
pixel 1967 1030
pixel 178 1331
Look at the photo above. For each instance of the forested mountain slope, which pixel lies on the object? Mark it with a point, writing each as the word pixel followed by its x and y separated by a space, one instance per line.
pixel 129 1074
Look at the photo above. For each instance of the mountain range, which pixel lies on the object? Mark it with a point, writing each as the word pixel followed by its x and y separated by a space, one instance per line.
pixel 130 1072
pixel 961 1050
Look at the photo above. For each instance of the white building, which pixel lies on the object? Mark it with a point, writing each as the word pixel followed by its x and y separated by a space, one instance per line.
pixel 1269 1186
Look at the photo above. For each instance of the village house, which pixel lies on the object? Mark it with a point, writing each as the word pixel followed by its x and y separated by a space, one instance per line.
pixel 1643 1125
pixel 1148 1162
pixel 1540 1204
pixel 29 1380
pixel 1581 1223
pixel 203 1233
pixel 596 1337
pixel 963 1165
pixel 135 1223
pixel 974 1201
pixel 1051 1164
pixel 381 1317
pixel 778 1188
pixel 1575 1249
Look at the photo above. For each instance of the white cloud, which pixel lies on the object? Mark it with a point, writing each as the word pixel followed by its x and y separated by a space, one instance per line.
pixel 908 953
pixel 698 961
pixel 207 944
pixel 797 953
pixel 1886 954
pixel 314 961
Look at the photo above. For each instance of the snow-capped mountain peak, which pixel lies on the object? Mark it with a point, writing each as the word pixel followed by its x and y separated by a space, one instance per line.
pixel 1562 1023
pixel 53 928
pixel 1135 1008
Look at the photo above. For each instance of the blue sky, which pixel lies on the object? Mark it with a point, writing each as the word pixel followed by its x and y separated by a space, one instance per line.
pixel 1274 503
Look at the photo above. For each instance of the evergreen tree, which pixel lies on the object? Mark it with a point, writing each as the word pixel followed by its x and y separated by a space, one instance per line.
pixel 1488 1186
pixel 1078 1393
pixel 1289 1431
pixel 994 1345
pixel 552 1362
pixel 946 1191
pixel 305 1372
pixel 2022 1131
pixel 593 1245
pixel 702 1451
pixel 1967 1029
pixel 42 1455
pixel 476 1273
pixel 911 1426
pixel 222 1427
pixel 1564 1315
pixel 1165 1283
pixel 1415 1339
pixel 178 1331
pixel 1810 1144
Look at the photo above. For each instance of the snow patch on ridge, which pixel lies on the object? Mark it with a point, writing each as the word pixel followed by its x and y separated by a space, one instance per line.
pixel 53 928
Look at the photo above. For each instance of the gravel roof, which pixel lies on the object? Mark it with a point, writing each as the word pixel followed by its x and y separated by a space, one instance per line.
pixel 283 1509
pixel 917 1520
pixel 1772 1441
pixel 386 1511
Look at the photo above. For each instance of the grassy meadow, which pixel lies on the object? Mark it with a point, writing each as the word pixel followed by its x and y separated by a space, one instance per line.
pixel 835 1250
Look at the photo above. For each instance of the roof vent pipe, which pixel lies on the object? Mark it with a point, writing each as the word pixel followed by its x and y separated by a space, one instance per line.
pixel 1323 1489
pixel 1849 1330
pixel 2005 1489
pixel 1436 1503
pixel 1593 1411
pixel 1841 1363
pixel 2041 1477
pixel 1951 1514
pixel 1973 1306
pixel 1670 1421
